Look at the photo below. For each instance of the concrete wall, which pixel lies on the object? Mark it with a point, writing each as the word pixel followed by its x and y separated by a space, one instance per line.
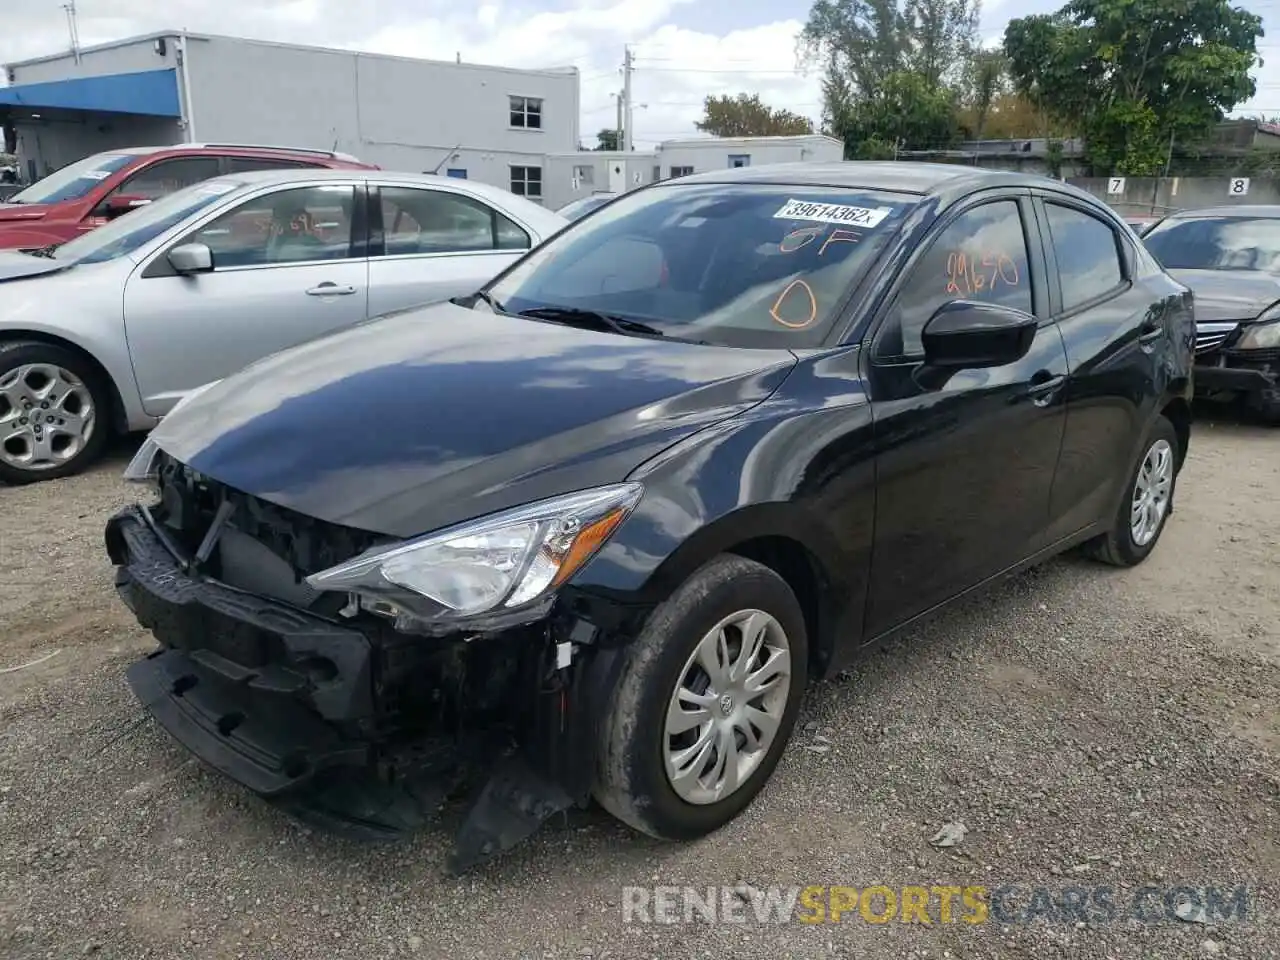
pixel 572 175
pixel 1166 194
pixel 713 154
pixel 400 114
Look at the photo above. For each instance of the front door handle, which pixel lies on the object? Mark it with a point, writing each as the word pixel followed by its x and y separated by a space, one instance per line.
pixel 1043 385
pixel 330 289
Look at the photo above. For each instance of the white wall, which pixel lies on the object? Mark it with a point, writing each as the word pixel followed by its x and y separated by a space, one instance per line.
pixel 595 171
pixel 400 114
pixel 714 153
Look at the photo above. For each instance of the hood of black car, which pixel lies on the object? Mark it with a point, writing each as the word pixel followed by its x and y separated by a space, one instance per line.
pixel 18 266
pixel 1229 294
pixel 440 414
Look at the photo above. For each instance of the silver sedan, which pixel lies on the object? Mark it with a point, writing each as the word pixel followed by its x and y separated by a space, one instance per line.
pixel 107 332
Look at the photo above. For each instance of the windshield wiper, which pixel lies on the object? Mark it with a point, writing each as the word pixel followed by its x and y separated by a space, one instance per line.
pixel 45 251
pixel 593 319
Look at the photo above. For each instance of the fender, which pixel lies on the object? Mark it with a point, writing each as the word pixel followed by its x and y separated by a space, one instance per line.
pixel 790 483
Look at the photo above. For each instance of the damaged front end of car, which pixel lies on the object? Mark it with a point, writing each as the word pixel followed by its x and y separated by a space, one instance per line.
pixel 357 682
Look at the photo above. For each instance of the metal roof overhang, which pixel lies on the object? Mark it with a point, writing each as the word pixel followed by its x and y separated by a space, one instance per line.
pixel 148 93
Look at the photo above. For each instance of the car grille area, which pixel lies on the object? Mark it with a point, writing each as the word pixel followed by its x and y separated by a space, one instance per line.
pixel 1211 336
pixel 262 548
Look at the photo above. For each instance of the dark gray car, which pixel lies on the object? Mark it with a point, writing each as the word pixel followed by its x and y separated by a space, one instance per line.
pixel 1230 258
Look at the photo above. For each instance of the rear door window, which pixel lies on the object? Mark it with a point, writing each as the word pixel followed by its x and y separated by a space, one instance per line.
pixel 416 221
pixel 1088 254
pixel 168 176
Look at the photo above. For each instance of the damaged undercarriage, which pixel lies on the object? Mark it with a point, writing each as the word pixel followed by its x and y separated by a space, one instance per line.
pixel 322 706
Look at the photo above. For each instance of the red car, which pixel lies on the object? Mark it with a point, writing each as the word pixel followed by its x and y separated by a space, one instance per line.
pixel 86 194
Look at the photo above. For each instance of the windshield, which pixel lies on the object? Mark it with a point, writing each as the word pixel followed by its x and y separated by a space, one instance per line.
pixel 1217 243
pixel 132 230
pixel 581 207
pixel 752 265
pixel 74 180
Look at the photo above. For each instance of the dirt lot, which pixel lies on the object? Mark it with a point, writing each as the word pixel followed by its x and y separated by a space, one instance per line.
pixel 1089 727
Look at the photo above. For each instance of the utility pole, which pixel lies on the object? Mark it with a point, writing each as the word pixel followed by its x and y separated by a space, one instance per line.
pixel 70 7
pixel 626 95
pixel 617 140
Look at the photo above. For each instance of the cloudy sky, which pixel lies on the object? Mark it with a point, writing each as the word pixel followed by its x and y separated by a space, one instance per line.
pixel 683 49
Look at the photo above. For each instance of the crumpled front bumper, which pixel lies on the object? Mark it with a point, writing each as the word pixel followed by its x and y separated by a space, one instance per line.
pixel 285 702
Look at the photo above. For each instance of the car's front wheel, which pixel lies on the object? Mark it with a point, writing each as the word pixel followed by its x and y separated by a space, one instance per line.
pixel 53 412
pixel 704 702
pixel 1146 507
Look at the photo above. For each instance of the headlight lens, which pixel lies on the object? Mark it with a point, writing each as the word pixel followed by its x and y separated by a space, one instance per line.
pixel 1263 333
pixel 492 565
pixel 142 468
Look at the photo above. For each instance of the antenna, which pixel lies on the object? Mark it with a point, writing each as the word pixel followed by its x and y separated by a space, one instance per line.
pixel 70 7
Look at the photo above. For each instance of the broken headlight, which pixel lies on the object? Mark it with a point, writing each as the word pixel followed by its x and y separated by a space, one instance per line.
pixel 493 566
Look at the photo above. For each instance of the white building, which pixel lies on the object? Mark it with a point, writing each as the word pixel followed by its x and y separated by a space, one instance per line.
pixel 517 129
pixel 485 123
pixel 579 174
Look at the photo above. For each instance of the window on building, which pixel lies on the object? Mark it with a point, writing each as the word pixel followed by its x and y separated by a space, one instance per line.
pixel 458 173
pixel 416 221
pixel 527 182
pixel 286 226
pixel 585 174
pixel 981 255
pixel 739 159
pixel 168 176
pixel 657 174
pixel 1087 254
pixel 681 171
pixel 526 112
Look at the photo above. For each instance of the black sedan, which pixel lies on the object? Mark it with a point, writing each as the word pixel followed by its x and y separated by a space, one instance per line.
pixel 593 530
pixel 1230 258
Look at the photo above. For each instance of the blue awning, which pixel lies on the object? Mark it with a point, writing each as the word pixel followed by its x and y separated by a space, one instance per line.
pixel 150 93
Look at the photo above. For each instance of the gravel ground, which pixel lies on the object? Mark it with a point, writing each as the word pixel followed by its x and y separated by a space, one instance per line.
pixel 1089 727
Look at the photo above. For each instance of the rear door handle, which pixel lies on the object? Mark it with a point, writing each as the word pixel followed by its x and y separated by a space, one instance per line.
pixel 330 289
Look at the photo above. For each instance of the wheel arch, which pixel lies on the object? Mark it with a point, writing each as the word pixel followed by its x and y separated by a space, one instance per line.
pixel 118 418
pixel 1178 412
pixel 785 538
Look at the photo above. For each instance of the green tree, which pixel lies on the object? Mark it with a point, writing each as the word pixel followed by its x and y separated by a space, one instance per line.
pixel 985 80
pixel 873 51
pixel 1134 76
pixel 747 116
pixel 607 139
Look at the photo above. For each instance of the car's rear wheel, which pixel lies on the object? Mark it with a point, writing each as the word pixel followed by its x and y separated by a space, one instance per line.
pixel 1145 508
pixel 704 703
pixel 53 412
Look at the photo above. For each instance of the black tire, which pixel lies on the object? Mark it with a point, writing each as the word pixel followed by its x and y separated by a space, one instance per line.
pixel 15 354
pixel 1117 547
pixel 631 779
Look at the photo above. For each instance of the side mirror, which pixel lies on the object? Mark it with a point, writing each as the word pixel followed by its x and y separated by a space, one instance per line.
pixel 123 203
pixel 966 334
pixel 191 258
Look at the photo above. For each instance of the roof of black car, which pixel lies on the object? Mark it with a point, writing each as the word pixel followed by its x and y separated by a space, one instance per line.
pixel 923 179
pixel 1262 211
